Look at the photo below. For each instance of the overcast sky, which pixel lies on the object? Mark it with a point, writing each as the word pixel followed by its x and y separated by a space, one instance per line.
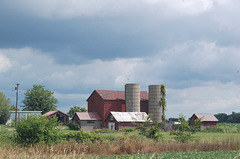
pixel 76 46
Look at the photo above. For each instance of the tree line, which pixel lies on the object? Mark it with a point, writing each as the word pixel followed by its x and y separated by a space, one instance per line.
pixel 35 99
pixel 231 118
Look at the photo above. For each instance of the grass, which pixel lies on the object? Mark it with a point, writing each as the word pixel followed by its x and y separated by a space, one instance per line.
pixel 121 147
pixel 230 127
pixel 226 145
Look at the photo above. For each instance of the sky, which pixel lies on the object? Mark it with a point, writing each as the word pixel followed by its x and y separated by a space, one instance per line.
pixel 74 47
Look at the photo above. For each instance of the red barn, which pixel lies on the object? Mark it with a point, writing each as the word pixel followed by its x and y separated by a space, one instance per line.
pixel 103 101
pixel 207 120
pixel 62 117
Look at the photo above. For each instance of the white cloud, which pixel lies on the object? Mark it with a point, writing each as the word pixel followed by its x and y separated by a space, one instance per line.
pixel 212 97
pixel 209 73
pixel 5 63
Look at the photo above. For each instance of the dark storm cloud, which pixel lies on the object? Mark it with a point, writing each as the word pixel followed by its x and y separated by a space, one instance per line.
pixel 73 47
pixel 79 39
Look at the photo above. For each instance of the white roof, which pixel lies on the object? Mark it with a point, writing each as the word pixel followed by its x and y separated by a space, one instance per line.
pixel 130 116
pixel 25 111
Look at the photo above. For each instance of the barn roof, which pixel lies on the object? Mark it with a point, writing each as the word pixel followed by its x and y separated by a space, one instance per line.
pixel 50 113
pixel 53 112
pixel 205 116
pixel 130 116
pixel 118 95
pixel 88 116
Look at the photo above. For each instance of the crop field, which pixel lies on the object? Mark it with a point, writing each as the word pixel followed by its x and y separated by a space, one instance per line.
pixel 178 155
pixel 127 145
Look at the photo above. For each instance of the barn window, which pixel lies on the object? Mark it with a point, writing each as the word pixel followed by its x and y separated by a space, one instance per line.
pixel 111 117
pixel 90 122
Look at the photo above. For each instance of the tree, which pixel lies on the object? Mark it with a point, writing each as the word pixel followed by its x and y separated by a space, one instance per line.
pixel 13 108
pixel 222 117
pixel 75 109
pixel 4 108
pixel 39 99
pixel 233 118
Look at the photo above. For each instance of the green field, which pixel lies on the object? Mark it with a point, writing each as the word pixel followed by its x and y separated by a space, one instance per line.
pixel 206 144
pixel 178 155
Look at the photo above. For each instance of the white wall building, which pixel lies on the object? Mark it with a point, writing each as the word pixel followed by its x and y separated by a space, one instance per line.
pixel 21 114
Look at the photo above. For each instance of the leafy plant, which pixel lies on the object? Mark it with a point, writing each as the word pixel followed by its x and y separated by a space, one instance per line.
pixel 163 102
pixel 82 136
pixel 74 126
pixel 106 130
pixel 34 128
pixel 128 130
pixel 152 132
pixel 4 108
pixel 184 131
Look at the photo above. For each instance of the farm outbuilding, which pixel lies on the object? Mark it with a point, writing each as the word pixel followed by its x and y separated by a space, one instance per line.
pixel 104 101
pixel 88 120
pixel 62 117
pixel 21 114
pixel 207 120
pixel 120 120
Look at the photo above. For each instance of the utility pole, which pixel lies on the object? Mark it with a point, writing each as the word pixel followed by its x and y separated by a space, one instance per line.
pixel 16 88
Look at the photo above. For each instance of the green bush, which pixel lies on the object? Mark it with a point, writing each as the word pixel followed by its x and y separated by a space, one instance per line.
pixel 153 132
pixel 214 129
pixel 35 128
pixel 184 131
pixel 182 136
pixel 4 108
pixel 106 130
pixel 82 136
pixel 74 126
pixel 128 130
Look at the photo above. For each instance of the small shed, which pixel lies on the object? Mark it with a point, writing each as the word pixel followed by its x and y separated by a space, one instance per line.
pixel 207 120
pixel 120 120
pixel 62 117
pixel 88 120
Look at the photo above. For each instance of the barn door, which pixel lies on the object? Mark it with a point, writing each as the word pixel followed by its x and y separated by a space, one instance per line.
pixel 111 126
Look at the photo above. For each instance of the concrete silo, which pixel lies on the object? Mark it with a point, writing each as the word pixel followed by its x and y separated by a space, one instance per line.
pixel 132 97
pixel 154 107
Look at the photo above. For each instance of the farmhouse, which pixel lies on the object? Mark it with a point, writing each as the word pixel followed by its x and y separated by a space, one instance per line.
pixel 207 120
pixel 88 120
pixel 62 117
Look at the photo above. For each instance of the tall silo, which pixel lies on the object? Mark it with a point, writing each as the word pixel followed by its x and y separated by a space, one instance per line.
pixel 154 107
pixel 132 97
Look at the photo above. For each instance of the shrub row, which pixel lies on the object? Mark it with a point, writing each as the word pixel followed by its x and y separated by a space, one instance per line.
pixel 81 136
pixel 33 129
